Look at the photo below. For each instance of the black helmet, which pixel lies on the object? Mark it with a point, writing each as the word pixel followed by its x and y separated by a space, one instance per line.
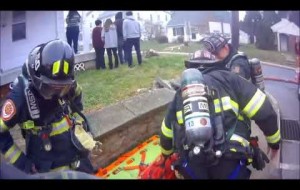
pixel 214 43
pixel 199 59
pixel 50 67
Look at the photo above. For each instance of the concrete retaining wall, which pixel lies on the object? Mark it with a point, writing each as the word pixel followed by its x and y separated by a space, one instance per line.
pixel 122 126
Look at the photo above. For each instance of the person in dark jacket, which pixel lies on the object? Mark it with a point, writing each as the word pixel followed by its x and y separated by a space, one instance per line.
pixel 73 21
pixel 98 45
pixel 230 100
pixel 218 45
pixel 119 24
pixel 46 103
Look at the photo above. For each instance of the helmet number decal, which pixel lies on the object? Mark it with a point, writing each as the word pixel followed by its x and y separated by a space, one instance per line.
pixel 8 110
pixel 37 62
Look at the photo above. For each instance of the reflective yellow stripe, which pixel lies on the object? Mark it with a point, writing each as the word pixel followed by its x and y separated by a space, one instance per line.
pixel 274 138
pixel 166 131
pixel 250 160
pixel 240 139
pixel 254 104
pixel 66 67
pixel 233 149
pixel 78 90
pixel 77 117
pixel 179 116
pixel 56 66
pixel 3 127
pixel 27 125
pixel 61 168
pixel 227 105
pixel 12 154
pixel 59 127
pixel 166 152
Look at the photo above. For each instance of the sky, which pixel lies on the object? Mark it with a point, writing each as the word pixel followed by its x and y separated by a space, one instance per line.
pixel 242 15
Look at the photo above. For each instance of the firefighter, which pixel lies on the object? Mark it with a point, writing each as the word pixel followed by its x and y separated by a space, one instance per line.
pixel 232 100
pixel 236 61
pixel 45 101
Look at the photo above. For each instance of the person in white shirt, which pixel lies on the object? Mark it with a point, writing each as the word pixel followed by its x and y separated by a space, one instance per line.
pixel 110 38
pixel 132 35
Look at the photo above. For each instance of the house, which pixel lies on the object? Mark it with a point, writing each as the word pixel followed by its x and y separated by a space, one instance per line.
pixel 153 23
pixel 20 31
pixel 287 34
pixel 193 24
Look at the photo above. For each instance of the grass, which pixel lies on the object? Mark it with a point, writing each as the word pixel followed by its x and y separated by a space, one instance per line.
pixel 264 55
pixel 105 87
pixel 102 88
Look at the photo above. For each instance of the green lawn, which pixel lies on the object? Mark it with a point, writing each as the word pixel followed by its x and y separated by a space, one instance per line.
pixel 266 55
pixel 102 88
pixel 250 50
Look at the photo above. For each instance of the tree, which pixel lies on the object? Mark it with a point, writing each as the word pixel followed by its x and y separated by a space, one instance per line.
pixel 235 29
pixel 265 36
pixel 249 25
pixel 293 16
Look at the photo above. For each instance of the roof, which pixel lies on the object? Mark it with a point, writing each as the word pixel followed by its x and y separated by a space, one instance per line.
pixel 286 27
pixel 198 17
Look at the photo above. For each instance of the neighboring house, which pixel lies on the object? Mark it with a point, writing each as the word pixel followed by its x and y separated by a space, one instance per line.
pixel 148 20
pixel 192 25
pixel 21 31
pixel 286 34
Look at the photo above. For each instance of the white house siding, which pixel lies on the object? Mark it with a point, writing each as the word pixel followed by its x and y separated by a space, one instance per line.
pixel 170 36
pixel 187 37
pixel 41 26
pixel 216 27
pixel 88 26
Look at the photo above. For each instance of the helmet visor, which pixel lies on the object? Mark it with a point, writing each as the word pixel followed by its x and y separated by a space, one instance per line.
pixel 50 88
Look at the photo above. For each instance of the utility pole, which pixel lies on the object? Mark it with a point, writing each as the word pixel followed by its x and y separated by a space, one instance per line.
pixel 235 31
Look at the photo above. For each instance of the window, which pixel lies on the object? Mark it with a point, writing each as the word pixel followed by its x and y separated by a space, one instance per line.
pixel 91 25
pixel 92 15
pixel 193 36
pixel 178 31
pixel 18 25
pixel 151 17
pixel 166 17
pixel 158 17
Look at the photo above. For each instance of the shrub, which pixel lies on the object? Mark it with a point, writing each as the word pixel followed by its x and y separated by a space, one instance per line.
pixel 180 39
pixel 162 39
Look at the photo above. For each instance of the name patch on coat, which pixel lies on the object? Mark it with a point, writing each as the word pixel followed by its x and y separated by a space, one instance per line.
pixel 32 104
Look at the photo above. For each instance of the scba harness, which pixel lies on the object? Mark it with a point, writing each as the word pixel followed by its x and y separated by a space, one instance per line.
pixel 54 124
pixel 199 132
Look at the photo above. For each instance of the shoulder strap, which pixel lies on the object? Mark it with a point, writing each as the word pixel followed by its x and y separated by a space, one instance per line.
pixel 32 104
pixel 234 57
